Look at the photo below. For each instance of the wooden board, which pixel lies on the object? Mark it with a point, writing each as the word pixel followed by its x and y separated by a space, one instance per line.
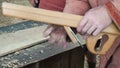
pixel 57 18
pixel 10 42
pixel 41 52
pixel 47 16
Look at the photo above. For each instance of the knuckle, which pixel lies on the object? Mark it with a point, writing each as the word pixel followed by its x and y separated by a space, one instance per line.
pixel 80 25
pixel 88 32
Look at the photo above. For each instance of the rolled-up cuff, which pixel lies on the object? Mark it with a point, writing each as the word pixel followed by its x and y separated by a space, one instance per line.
pixel 114 13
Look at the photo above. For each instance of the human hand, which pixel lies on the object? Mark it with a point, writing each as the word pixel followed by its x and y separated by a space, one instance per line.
pixel 94 21
pixel 57 35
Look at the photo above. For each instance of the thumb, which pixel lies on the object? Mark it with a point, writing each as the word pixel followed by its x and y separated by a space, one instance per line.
pixel 48 30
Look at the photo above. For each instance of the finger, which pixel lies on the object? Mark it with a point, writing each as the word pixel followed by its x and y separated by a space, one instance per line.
pixel 97 31
pixel 84 36
pixel 61 41
pixel 48 30
pixel 65 45
pixel 86 28
pixel 91 30
pixel 52 39
pixel 81 24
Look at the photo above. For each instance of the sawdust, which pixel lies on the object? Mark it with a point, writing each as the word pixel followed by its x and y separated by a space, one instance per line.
pixel 10 63
pixel 17 53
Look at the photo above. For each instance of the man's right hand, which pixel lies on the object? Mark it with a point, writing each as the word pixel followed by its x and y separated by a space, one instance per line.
pixel 57 35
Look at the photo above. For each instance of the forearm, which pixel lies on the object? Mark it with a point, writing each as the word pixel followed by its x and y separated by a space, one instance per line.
pixel 78 7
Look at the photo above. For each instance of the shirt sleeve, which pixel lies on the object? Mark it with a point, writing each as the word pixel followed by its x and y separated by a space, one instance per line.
pixel 79 7
pixel 56 5
pixel 114 12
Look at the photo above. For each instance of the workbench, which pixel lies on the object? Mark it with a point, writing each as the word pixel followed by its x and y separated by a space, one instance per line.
pixel 42 55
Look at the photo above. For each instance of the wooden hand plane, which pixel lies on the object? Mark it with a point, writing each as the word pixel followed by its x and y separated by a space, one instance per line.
pixel 64 19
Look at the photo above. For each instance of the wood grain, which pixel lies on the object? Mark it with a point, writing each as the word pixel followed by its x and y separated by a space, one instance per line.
pixel 52 17
pixel 47 16
pixel 70 34
pixel 10 42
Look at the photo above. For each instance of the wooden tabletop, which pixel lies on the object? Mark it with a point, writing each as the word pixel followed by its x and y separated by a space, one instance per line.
pixel 33 53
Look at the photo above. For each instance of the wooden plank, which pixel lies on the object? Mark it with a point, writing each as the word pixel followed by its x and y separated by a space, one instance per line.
pixel 40 14
pixel 57 18
pixel 73 39
pixel 33 54
pixel 10 42
pixel 47 16
pixel 38 52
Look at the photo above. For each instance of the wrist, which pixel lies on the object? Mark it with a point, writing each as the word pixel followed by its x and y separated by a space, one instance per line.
pixel 107 14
